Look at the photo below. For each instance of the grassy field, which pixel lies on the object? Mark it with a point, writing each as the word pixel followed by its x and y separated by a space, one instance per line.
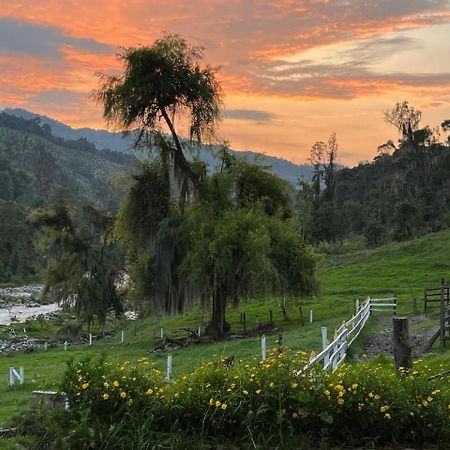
pixel 402 269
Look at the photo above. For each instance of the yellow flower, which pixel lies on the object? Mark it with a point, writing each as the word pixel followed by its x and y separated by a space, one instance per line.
pixel 85 385
pixel 258 391
pixel 424 403
pixel 376 397
pixel 105 396
pixel 430 399
pixel 211 402
pixel 245 392
pixel 123 394
pixel 294 415
pixel 130 401
pixel 354 386
pixel 224 406
pixel 217 403
pixel 116 383
pixel 436 392
pixel 326 392
pixel 149 391
pixel 106 384
pixel 294 385
pixel 384 408
pixel 340 401
pixel 271 384
pixel 387 416
pixel 370 394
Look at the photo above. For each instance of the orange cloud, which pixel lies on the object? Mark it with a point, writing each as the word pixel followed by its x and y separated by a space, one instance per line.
pixel 250 40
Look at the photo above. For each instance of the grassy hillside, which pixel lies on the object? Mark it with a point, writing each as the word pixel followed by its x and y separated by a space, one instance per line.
pixel 402 269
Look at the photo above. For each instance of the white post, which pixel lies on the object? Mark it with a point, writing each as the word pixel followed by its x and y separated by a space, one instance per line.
pixel 122 337
pixel 357 305
pixel 326 358
pixel 263 348
pixel 169 367
pixel 45 346
pixel 162 333
pixel 90 339
pixel 310 316
pixel 199 330
pixel 13 374
pixel 65 345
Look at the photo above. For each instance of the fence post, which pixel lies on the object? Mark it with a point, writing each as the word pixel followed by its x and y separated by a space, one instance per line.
pixel 169 367
pixel 161 333
pixel 311 316
pixel 263 348
pixel 442 319
pixel 326 358
pixel 199 330
pixel 402 347
pixel 302 320
pixel 65 346
pixel 90 339
pixel 13 374
pixel 122 337
pixel 357 306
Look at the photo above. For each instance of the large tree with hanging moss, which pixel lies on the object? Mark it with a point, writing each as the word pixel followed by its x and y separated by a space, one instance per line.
pixel 229 234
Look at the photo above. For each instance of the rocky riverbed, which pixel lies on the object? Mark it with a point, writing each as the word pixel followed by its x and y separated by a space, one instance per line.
pixel 17 304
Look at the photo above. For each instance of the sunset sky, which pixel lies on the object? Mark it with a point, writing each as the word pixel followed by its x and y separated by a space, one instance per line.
pixel 292 71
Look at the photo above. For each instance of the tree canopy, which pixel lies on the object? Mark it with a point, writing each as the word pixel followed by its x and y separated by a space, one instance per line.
pixel 161 83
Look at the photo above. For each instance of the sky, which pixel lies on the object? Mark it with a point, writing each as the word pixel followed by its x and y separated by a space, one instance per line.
pixel 292 72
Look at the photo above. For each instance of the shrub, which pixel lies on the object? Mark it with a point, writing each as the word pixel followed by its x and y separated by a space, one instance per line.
pixel 270 402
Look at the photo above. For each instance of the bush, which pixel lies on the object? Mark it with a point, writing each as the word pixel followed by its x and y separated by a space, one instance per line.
pixel 269 403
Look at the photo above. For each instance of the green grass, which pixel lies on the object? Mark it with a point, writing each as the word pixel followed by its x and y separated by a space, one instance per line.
pixel 402 269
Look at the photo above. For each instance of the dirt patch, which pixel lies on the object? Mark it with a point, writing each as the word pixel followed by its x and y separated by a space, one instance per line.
pixel 381 341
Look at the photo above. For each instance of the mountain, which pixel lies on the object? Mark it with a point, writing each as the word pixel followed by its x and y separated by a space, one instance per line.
pixel 116 142
pixel 35 165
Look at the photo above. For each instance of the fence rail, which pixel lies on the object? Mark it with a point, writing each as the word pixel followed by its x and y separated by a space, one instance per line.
pixel 334 353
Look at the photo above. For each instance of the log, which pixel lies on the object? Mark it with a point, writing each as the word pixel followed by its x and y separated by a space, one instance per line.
pixel 402 346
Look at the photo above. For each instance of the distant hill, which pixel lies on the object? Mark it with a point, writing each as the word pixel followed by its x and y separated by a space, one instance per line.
pixel 116 142
pixel 35 165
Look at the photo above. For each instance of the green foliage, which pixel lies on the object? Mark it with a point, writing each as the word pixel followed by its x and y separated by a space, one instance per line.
pixel 84 263
pixel 19 258
pixel 252 402
pixel 165 78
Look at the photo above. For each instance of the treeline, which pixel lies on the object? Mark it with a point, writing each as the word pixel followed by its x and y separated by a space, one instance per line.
pixel 403 193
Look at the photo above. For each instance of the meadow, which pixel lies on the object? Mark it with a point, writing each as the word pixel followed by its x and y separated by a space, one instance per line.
pixel 402 269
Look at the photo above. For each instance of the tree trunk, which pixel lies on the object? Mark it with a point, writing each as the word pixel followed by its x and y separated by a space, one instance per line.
pixel 402 347
pixel 218 326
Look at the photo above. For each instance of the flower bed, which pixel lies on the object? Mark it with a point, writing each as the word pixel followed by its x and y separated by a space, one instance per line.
pixel 261 402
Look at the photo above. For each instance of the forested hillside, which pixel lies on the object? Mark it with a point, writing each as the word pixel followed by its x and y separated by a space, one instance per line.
pixel 36 169
pixel 117 142
pixel 403 193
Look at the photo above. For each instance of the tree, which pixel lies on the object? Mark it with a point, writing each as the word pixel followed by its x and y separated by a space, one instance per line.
pixel 238 248
pixel 83 263
pixel 405 118
pixel 317 201
pixel 446 127
pixel 160 83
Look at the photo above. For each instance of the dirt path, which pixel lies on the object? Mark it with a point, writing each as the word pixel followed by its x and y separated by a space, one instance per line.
pixel 378 342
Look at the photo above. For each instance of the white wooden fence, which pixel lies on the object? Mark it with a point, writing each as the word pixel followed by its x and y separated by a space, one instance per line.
pixel 334 352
